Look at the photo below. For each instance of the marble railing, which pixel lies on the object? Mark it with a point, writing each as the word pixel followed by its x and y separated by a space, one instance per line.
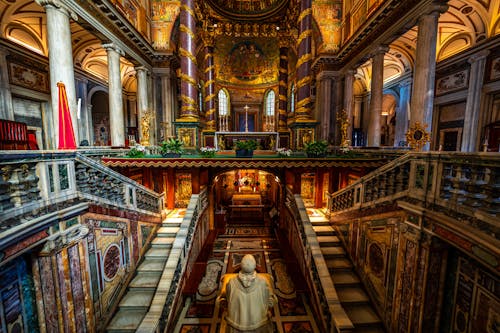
pixel 452 183
pixel 179 263
pixel 304 244
pixel 37 186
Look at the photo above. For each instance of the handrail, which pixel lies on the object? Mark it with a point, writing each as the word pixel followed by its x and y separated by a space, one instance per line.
pixel 463 183
pixel 332 315
pixel 34 184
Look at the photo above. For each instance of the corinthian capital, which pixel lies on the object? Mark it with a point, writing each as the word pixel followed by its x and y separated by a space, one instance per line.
pixel 57 4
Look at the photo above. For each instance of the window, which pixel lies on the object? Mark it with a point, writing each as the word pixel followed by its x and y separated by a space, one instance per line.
pixel 223 103
pixel 292 98
pixel 270 103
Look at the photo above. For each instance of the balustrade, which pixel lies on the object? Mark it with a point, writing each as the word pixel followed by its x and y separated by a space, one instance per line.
pixel 460 183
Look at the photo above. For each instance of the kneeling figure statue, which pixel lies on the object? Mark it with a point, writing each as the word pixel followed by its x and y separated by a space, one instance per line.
pixel 249 298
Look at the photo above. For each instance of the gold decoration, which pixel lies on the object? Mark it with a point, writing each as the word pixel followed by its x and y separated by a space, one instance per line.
pixel 417 136
pixel 344 125
pixel 146 120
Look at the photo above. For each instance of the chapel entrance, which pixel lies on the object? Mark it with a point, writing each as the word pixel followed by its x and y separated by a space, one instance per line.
pixel 246 196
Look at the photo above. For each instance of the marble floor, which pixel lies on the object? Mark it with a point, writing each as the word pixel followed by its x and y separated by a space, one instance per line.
pixel 203 314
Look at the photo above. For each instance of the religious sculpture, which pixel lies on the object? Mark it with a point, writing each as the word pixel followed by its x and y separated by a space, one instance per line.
pixel 145 126
pixel 249 298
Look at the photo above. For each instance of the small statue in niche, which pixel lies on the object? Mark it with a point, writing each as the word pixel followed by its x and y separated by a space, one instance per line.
pixel 249 297
pixel 220 143
pixel 146 120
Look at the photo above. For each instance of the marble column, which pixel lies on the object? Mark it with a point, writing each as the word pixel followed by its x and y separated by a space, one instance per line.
pixel 6 109
pixel 402 112
pixel 209 86
pixel 116 115
pixel 324 102
pixel 142 105
pixel 377 93
pixel 470 134
pixel 188 70
pixel 349 100
pixel 422 99
pixel 167 100
pixel 358 103
pixel 84 117
pixel 60 61
pixel 283 87
pixel 303 66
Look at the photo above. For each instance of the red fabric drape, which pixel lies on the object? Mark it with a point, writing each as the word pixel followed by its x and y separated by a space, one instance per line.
pixel 66 133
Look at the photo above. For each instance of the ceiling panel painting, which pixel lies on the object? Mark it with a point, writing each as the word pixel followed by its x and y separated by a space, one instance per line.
pixel 164 13
pixel 328 15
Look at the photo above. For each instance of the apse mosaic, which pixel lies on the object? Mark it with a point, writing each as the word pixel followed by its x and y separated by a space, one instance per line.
pixel 247 61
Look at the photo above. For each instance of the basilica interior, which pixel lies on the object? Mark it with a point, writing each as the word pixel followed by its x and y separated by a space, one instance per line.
pixel 351 146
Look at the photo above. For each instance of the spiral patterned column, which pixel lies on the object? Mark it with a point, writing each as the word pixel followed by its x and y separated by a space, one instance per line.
pixel 188 74
pixel 209 88
pixel 304 77
pixel 283 89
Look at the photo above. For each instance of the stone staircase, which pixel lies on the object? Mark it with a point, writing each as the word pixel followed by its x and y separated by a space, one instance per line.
pixel 350 291
pixel 136 301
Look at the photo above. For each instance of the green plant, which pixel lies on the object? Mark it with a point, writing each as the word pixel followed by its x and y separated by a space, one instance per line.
pixel 317 148
pixel 136 152
pixel 172 146
pixel 246 144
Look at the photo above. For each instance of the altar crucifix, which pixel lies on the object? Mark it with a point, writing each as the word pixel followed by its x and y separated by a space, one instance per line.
pixel 246 117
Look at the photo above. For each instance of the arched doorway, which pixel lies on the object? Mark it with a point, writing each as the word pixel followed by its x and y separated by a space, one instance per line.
pixel 388 120
pixel 100 118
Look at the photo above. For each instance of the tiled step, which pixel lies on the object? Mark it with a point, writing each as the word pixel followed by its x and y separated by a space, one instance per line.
pixel 157 253
pixel 137 299
pixel 323 230
pixel 167 231
pixel 172 223
pixel 318 220
pixel 338 264
pixel 328 240
pixel 333 252
pixel 344 278
pixel 162 242
pixel 145 280
pixel 125 321
pixel 151 265
pixel 362 314
pixel 352 295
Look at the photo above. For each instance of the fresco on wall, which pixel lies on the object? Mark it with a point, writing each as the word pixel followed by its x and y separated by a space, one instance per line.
pixel 135 14
pixel 328 16
pixel 164 14
pixel 251 61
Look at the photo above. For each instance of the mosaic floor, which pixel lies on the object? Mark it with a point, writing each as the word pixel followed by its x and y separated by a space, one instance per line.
pixel 203 315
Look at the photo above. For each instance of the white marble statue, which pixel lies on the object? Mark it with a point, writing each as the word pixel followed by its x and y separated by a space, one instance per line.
pixel 249 297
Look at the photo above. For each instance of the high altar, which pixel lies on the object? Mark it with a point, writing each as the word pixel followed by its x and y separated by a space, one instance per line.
pixel 265 140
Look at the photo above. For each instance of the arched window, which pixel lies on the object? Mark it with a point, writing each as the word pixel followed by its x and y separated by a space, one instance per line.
pixel 292 98
pixel 223 103
pixel 270 103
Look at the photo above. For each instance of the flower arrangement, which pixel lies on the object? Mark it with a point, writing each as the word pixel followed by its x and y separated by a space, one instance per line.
pixel 208 151
pixel 316 149
pixel 284 152
pixel 172 148
pixel 137 151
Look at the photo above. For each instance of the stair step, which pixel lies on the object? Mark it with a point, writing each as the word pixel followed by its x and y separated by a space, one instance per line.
pixel 338 264
pixel 125 321
pixel 157 253
pixel 171 223
pixel 162 242
pixel 323 230
pixel 352 295
pixel 373 328
pixel 137 299
pixel 333 251
pixel 345 278
pixel 151 265
pixel 328 240
pixel 145 280
pixel 167 231
pixel 361 314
